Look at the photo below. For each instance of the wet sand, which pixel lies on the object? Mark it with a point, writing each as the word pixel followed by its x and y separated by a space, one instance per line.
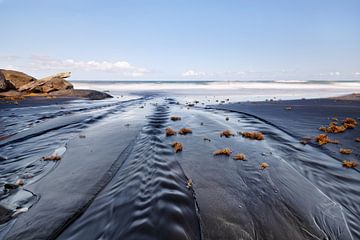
pixel 123 180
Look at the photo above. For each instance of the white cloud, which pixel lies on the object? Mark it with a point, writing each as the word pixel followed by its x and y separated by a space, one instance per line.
pixel 39 63
pixel 334 73
pixel 192 73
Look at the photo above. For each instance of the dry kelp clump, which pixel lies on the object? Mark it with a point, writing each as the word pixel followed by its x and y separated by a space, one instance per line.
pixel 185 131
pixel 224 151
pixel 350 123
pixel 240 156
pixel 253 135
pixel 169 132
pixel 346 151
pixel 347 123
pixel 177 146
pixel 227 134
pixel 333 128
pixel 349 164
pixel 323 139
pixel 51 158
pixel 264 165
pixel 175 118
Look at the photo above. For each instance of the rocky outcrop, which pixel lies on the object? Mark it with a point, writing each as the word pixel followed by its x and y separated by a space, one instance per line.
pixel 4 86
pixel 49 84
pixel 59 75
pixel 82 93
pixel 16 86
pixel 16 79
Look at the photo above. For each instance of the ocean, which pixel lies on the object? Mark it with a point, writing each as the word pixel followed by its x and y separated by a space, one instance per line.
pixel 234 90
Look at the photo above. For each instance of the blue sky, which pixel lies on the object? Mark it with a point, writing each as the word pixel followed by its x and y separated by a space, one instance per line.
pixel 183 39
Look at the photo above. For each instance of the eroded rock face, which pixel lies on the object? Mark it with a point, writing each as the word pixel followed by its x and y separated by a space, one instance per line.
pixel 3 83
pixel 16 79
pixel 59 75
pixel 48 84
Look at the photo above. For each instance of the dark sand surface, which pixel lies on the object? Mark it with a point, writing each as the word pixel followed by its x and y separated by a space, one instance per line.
pixel 124 181
pixel 304 120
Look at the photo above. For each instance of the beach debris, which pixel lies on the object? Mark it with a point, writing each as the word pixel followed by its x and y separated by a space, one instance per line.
pixel 54 157
pixel 305 141
pixel 82 136
pixel 224 151
pixel 333 128
pixel 264 165
pixel 349 164
pixel 323 139
pixel 253 135
pixel 240 156
pixel 127 125
pixel 169 132
pixel 20 182
pixel 349 122
pixel 189 183
pixel 10 186
pixel 357 139
pixel 346 151
pixel 201 123
pixel 207 139
pixel 288 108
pixel 184 131
pixel 177 146
pixel 226 133
pixel 175 118
pixel 227 118
pixel 20 210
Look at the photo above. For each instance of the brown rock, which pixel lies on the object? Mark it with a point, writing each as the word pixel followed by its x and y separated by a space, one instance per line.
pixel 16 79
pixel 4 85
pixel 48 84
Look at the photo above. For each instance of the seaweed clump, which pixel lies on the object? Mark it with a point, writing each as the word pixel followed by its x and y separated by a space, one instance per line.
pixel 323 139
pixel 264 165
pixel 333 128
pixel 240 156
pixel 349 164
pixel 253 135
pixel 51 158
pixel 175 118
pixel 185 131
pixel 224 151
pixel 346 151
pixel 169 132
pixel 350 123
pixel 227 134
pixel 177 146
pixel 347 123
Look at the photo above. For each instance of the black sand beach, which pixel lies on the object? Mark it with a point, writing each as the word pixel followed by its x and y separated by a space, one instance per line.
pixel 119 178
